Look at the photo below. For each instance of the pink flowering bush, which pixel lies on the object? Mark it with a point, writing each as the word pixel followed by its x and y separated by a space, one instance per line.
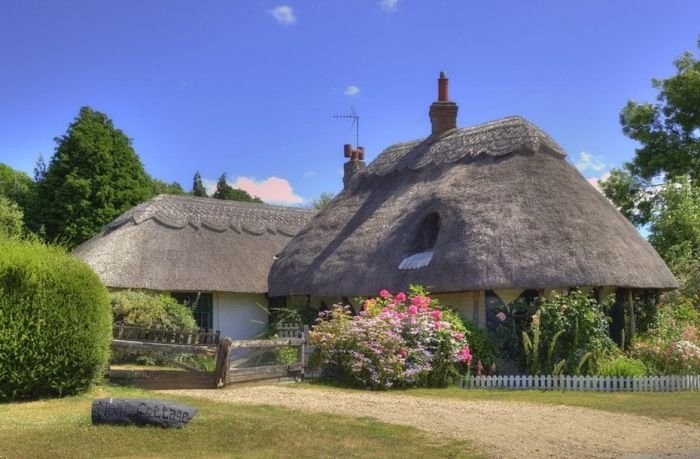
pixel 672 344
pixel 396 341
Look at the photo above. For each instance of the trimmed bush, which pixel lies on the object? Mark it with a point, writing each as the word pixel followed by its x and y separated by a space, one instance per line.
pixel 55 324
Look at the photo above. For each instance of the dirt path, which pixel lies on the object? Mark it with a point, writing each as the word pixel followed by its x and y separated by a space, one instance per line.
pixel 499 429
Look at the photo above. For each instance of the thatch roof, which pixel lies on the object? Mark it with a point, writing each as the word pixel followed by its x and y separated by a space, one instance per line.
pixel 513 213
pixel 183 243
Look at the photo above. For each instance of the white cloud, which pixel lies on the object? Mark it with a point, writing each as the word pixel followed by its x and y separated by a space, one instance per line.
pixel 309 173
pixel 209 186
pixel 273 190
pixel 588 161
pixel 352 91
pixel 283 14
pixel 389 5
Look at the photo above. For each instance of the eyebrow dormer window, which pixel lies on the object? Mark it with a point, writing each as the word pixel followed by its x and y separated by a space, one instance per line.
pixel 423 243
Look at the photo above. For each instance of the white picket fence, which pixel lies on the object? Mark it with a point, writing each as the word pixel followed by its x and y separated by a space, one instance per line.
pixel 584 383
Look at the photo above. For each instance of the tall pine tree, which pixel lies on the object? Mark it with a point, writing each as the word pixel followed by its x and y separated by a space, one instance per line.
pixel 197 187
pixel 93 177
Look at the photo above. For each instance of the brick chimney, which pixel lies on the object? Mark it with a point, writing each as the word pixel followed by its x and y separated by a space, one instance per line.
pixel 443 113
pixel 356 163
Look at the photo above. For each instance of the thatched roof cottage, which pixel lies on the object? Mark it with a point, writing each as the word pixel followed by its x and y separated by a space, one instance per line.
pixel 481 215
pixel 216 252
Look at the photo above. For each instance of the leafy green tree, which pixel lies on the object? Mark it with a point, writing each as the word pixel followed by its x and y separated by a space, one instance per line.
pixel 197 186
pixel 11 218
pixel 93 177
pixel 675 226
pixel 162 187
pixel 669 130
pixel 15 185
pixel 228 193
pixel 660 187
pixel 323 200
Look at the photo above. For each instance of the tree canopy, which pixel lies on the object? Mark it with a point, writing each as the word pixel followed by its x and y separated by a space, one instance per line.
pixel 661 185
pixel 669 130
pixel 15 185
pixel 93 177
pixel 228 193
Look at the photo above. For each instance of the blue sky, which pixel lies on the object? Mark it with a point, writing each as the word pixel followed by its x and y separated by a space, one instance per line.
pixel 250 87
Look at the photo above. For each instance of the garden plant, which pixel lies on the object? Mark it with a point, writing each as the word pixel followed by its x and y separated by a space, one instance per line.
pixel 400 340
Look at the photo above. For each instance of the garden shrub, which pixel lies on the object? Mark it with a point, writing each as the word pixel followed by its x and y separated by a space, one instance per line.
pixel 396 341
pixel 141 309
pixel 566 334
pixel 623 366
pixel 672 345
pixel 55 325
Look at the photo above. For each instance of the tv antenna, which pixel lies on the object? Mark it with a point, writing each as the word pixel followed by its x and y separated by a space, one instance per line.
pixel 355 123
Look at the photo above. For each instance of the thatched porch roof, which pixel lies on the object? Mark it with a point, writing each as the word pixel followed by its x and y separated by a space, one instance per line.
pixel 183 243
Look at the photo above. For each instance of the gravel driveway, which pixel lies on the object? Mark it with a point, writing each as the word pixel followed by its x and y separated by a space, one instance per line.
pixel 499 429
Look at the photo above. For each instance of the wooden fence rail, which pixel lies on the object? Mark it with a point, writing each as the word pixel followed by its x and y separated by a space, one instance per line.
pixel 584 383
pixel 160 335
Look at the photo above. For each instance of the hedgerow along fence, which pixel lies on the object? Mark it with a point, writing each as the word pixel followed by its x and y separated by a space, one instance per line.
pixel 584 383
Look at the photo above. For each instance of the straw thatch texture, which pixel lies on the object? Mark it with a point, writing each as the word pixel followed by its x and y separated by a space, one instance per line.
pixel 513 214
pixel 183 243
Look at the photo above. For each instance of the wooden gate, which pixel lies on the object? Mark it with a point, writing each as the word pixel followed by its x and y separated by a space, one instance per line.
pixel 263 360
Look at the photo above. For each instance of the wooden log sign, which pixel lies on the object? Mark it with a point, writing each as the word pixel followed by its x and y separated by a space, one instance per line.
pixel 124 411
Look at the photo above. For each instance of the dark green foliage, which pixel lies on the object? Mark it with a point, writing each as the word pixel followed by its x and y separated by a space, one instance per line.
pixel 228 193
pixel 55 324
pixel 198 187
pixel 40 169
pixel 145 310
pixel 11 219
pixel 481 345
pixel 93 177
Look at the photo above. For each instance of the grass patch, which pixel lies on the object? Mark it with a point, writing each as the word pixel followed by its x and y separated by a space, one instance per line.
pixel 62 428
pixel 683 406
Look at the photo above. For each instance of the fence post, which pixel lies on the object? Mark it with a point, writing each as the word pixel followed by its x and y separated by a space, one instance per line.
pixel 223 356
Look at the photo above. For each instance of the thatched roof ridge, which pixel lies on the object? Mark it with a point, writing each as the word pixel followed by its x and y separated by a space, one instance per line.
pixel 184 243
pixel 513 213
pixel 495 138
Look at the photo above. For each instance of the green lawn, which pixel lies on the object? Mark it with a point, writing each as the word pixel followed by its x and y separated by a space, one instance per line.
pixel 62 428
pixel 683 406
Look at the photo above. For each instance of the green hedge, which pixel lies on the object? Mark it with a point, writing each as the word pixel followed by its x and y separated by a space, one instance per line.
pixel 55 322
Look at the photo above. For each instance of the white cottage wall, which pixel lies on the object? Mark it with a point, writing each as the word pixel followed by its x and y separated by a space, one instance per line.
pixel 240 315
